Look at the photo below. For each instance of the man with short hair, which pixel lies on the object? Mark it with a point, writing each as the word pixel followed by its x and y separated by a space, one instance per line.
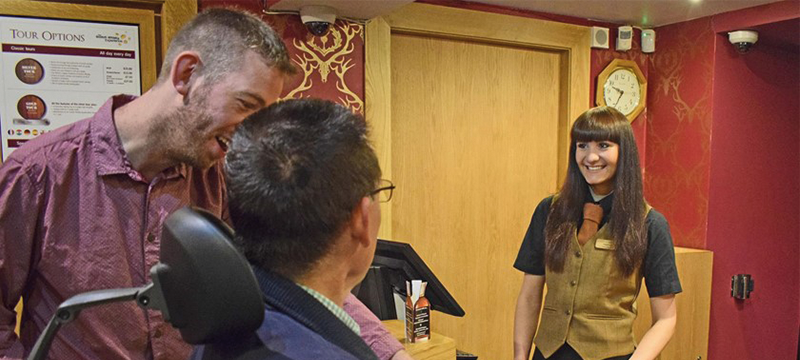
pixel 304 190
pixel 81 207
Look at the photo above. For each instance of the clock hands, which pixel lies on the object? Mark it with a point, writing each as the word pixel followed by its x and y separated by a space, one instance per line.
pixel 620 95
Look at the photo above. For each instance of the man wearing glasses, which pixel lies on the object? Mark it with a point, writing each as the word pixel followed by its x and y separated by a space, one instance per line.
pixel 304 190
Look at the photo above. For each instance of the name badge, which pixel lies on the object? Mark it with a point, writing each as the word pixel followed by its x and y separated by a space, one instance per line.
pixel 604 244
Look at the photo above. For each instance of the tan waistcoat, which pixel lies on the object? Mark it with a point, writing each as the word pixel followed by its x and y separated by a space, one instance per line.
pixel 589 305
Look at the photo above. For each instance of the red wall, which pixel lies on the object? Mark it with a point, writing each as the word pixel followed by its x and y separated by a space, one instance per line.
pixel 723 165
pixel 679 128
pixel 753 218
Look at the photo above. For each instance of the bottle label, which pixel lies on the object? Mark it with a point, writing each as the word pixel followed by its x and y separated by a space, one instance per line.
pixel 409 323
pixel 422 330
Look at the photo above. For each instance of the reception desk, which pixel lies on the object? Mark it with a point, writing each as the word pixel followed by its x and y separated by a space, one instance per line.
pixel 693 307
pixel 439 347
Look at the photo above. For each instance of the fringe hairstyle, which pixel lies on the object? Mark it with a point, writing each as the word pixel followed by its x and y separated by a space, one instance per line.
pixel 627 218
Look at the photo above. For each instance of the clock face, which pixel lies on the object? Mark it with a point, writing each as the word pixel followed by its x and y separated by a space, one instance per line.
pixel 622 91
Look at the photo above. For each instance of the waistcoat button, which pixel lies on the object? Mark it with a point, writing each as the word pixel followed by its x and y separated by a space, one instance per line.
pixel 573 283
pixel 567 312
pixel 577 254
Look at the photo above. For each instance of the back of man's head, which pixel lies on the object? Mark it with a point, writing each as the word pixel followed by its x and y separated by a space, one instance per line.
pixel 222 37
pixel 296 171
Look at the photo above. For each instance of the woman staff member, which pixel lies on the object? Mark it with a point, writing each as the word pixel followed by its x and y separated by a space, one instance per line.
pixel 591 244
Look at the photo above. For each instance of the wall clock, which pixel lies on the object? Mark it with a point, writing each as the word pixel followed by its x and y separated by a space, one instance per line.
pixel 622 85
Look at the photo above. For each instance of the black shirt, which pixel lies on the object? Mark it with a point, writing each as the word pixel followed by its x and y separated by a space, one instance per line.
pixel 660 273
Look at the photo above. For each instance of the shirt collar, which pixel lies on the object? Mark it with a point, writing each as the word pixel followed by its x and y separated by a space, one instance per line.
pixel 333 308
pixel 606 202
pixel 109 156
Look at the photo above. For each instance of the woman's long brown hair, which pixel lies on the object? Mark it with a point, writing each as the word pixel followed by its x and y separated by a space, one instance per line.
pixel 627 218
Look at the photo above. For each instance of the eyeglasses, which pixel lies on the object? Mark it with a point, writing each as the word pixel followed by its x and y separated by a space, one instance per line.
pixel 384 191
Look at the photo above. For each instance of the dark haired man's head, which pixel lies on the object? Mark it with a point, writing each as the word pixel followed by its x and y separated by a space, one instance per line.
pixel 299 174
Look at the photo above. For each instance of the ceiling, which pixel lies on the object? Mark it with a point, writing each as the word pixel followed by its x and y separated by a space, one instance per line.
pixel 351 9
pixel 644 13
pixel 784 35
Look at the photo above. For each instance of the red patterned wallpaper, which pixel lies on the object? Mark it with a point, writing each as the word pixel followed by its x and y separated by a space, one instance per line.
pixel 679 128
pixel 329 67
pixel 680 116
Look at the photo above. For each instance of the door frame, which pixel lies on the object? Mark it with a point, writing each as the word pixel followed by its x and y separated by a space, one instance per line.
pixel 571 42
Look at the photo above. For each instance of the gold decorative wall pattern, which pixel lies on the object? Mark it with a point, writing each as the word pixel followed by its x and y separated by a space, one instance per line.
pixel 329 67
pixel 333 57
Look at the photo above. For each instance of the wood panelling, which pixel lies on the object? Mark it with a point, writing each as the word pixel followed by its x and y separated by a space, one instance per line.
pixel 471 124
pixel 439 347
pixel 174 14
pixel 378 103
pixel 474 147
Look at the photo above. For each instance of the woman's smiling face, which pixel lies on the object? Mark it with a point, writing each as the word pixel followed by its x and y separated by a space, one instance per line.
pixel 597 161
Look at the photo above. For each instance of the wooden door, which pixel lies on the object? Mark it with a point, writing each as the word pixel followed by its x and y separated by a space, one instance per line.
pixel 471 126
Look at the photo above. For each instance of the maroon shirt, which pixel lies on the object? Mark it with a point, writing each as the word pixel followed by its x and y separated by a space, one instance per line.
pixel 75 217
pixel 377 337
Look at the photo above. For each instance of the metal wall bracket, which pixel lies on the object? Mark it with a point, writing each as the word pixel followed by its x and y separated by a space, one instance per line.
pixel 741 286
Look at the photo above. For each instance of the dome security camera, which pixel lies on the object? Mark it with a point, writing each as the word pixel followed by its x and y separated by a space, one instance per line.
pixel 317 18
pixel 743 39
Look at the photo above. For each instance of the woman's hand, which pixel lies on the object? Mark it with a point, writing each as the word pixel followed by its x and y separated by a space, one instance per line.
pixel 664 319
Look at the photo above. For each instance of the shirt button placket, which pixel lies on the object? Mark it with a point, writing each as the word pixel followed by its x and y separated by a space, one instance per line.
pixel 151 254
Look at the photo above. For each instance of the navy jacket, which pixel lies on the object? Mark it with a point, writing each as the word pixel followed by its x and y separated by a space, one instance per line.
pixel 296 326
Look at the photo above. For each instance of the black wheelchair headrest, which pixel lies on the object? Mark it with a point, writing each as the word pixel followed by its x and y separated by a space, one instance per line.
pixel 208 287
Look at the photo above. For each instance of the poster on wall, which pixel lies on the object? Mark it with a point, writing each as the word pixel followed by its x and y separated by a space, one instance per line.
pixel 56 72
